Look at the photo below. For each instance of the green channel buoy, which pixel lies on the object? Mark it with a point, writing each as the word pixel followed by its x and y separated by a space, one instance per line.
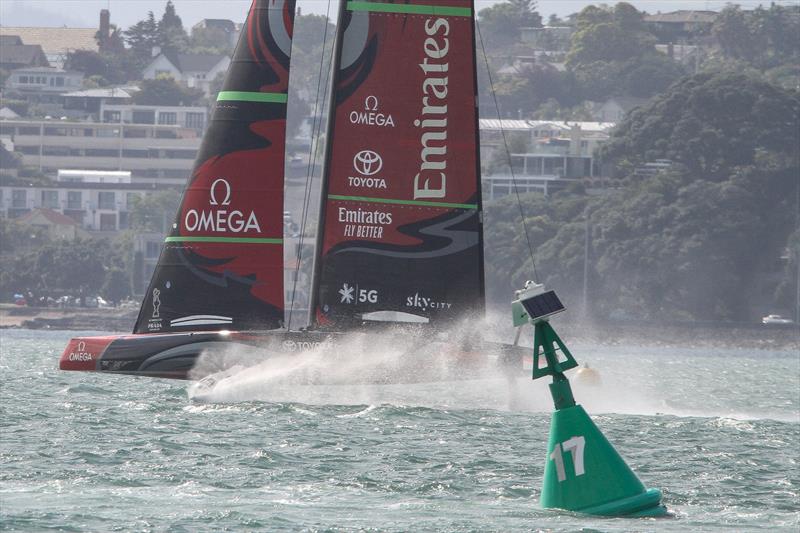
pixel 583 471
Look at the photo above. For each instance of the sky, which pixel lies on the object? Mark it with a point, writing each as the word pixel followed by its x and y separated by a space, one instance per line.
pixel 124 13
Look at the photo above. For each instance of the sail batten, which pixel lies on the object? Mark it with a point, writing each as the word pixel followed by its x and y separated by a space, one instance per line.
pixel 222 264
pixel 401 230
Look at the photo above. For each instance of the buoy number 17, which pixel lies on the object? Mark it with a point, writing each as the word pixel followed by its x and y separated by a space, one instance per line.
pixel 575 445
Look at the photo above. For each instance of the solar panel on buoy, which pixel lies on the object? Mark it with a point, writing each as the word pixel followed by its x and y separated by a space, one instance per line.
pixel 543 305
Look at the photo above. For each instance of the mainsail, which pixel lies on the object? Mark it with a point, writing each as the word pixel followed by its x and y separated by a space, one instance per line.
pixel 222 263
pixel 401 229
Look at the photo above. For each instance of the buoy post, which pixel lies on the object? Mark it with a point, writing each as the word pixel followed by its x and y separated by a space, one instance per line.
pixel 583 471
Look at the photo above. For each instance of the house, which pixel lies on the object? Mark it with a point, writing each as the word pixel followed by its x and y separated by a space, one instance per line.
pixel 14 54
pixel 40 80
pixel 193 70
pixel 219 30
pixel 681 27
pixel 57 43
pixel 615 108
pixel 57 225
pixel 87 103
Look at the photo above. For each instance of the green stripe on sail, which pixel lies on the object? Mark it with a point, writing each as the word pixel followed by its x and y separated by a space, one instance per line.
pixel 445 11
pixel 244 96
pixel 234 240
pixel 402 202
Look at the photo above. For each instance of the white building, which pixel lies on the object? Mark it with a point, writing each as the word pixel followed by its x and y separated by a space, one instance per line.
pixel 193 70
pixel 40 80
pixel 153 153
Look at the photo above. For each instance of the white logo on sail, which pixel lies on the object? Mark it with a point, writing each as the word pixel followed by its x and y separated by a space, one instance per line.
pixel 371 115
pixel 367 163
pixel 221 220
pixel 347 294
pixel 227 200
pixel 156 303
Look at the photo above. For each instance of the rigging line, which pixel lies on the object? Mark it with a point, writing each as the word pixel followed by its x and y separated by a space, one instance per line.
pixel 316 128
pixel 508 152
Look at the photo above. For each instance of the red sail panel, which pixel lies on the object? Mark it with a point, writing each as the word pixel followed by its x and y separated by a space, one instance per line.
pixel 401 227
pixel 222 263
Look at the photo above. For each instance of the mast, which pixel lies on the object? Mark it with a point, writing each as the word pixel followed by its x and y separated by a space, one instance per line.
pixel 323 194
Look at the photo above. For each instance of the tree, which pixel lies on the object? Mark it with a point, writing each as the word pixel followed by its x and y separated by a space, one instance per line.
pixel 501 23
pixel 166 91
pixel 171 35
pixel 117 285
pixel 155 212
pixel 712 124
pixel 606 34
pixel 142 37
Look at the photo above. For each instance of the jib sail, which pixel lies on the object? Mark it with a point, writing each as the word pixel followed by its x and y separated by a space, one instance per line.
pixel 222 264
pixel 401 231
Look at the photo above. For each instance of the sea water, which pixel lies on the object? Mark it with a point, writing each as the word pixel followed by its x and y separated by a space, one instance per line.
pixel 717 430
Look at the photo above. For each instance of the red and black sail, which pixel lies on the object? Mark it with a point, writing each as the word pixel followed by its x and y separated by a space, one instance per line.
pixel 401 230
pixel 222 263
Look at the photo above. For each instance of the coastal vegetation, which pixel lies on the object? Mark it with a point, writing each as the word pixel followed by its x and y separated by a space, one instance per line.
pixel 713 235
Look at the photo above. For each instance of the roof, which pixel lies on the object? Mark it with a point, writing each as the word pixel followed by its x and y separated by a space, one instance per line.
pixel 47 70
pixel 222 24
pixel 54 217
pixel 22 54
pixel 7 112
pixel 197 62
pixel 104 92
pixel 55 40
pixel 680 17
pixel 524 125
pixel 10 40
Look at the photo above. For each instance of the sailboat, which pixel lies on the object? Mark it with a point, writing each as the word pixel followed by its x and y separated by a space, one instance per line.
pixel 400 229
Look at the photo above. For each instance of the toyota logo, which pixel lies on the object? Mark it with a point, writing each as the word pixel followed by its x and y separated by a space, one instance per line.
pixel 367 163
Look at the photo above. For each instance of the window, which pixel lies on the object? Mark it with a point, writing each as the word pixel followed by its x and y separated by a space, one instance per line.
pixel 55 132
pixel 195 120
pixel 55 150
pixel 166 134
pixel 130 200
pixel 181 154
pixel 101 152
pixel 19 198
pixel 144 117
pixel 59 82
pixel 23 79
pixel 135 153
pixel 28 150
pixel 29 130
pixel 168 117
pixel 134 133
pixel 6 130
pixel 50 199
pixel 112 116
pixel 74 200
pixel 108 222
pixel 106 200
pixel 160 73
pixel 108 132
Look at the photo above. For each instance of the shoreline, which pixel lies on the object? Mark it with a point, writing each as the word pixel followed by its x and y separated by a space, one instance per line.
pixel 745 336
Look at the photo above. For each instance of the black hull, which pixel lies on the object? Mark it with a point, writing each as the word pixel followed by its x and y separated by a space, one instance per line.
pixel 175 355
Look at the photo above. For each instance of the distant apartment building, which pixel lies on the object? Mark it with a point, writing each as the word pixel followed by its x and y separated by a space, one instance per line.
pixel 156 144
pixel 681 27
pixel 100 208
pixel 560 153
